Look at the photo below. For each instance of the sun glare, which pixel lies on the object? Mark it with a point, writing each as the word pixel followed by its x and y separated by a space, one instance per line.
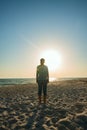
pixel 52 59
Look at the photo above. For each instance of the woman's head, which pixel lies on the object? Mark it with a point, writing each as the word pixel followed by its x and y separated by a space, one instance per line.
pixel 42 61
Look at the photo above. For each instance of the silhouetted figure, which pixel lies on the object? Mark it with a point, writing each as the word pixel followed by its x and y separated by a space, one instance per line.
pixel 42 78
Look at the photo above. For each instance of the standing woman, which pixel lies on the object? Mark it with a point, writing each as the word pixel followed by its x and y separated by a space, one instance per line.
pixel 42 78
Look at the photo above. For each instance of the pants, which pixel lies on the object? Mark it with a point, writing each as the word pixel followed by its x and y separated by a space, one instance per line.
pixel 42 86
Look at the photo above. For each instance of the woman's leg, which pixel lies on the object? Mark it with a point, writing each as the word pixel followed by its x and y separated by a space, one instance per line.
pixel 44 92
pixel 39 91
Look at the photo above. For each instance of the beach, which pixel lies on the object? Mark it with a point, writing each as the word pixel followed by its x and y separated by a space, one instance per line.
pixel 66 107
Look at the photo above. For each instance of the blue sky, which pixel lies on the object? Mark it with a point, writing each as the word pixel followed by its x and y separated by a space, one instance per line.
pixel 28 27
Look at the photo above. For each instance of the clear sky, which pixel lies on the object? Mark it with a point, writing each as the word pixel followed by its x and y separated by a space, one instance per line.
pixel 30 27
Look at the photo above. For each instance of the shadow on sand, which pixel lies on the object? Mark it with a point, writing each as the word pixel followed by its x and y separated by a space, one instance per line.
pixel 46 117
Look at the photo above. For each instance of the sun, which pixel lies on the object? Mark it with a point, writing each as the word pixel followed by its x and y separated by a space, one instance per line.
pixel 52 59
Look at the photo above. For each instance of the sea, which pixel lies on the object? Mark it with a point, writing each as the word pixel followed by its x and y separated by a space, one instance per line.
pixel 14 81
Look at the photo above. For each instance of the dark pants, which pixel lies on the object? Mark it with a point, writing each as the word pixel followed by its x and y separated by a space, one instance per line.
pixel 42 87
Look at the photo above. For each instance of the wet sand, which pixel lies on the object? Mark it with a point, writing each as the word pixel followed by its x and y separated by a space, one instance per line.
pixel 66 107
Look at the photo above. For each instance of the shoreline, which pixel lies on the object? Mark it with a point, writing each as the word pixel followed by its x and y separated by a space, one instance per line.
pixel 25 81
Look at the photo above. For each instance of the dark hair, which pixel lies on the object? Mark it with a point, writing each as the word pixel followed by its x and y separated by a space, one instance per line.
pixel 42 59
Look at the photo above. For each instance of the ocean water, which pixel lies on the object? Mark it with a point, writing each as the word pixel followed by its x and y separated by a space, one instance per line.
pixel 13 81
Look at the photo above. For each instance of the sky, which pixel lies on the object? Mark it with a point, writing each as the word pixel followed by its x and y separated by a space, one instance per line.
pixel 30 27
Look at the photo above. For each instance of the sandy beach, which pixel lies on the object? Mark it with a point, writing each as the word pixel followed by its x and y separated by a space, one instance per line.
pixel 66 107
